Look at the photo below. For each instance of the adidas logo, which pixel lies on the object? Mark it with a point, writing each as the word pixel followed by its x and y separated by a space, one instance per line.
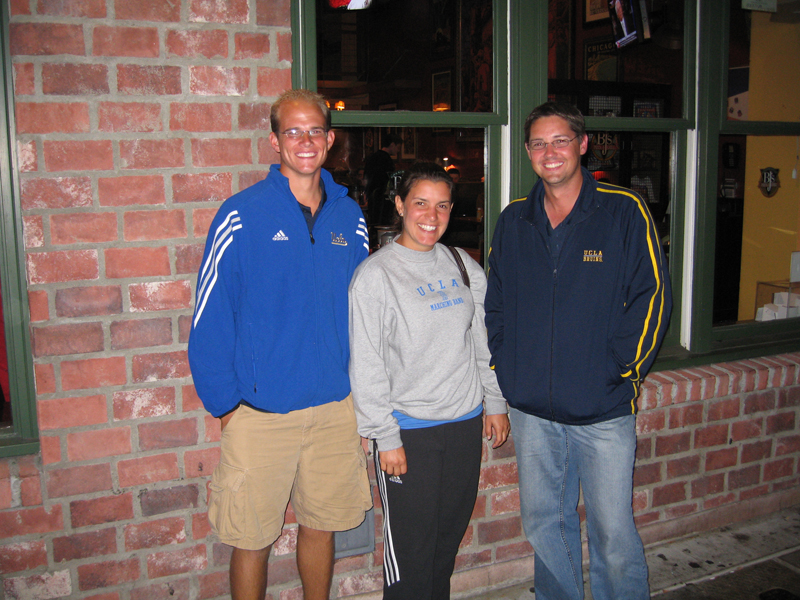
pixel 280 237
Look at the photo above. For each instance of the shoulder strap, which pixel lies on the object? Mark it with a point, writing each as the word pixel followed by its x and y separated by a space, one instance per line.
pixel 460 264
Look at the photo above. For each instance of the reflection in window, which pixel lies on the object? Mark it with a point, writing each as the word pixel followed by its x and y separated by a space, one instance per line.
pixel 417 55
pixel 369 161
pixel 5 400
pixel 611 59
pixel 756 229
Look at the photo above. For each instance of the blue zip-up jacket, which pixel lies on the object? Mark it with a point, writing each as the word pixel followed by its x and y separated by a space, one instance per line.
pixel 270 324
pixel 571 342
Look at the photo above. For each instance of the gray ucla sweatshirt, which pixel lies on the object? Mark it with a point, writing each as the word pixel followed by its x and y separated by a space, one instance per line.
pixel 418 341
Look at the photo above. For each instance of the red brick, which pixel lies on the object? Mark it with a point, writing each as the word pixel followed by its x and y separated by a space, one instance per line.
pixel 131 190
pixel 174 589
pixel 140 404
pixel 681 467
pixel 759 401
pixel 129 117
pixel 33 231
pixel 200 117
pixel 675 512
pixel 707 486
pixel 754 492
pixel 147 469
pixel 28 156
pixel 51 449
pixel 212 152
pixel 201 528
pixel 207 80
pixel 787 445
pixel 650 421
pixel 151 154
pixel 24 81
pixel 31 491
pixel 742 430
pixel 85 545
pixel 86 155
pixel 789 396
pixel 147 10
pixel 266 156
pixel 684 416
pixel 188 259
pixel 214 434
pixel 97 511
pixel 98 443
pixel 52 117
pixel 68 265
pixel 780 422
pixel 186 560
pixel 160 295
pixel 284 46
pixel 469 560
pixel 72 412
pixel 89 301
pixel 646 474
pixel 149 80
pixel 190 399
pixel 712 435
pixel 644 448
pixel 205 43
pixel 23 556
pixel 673 444
pixel 746 477
pixel 107 574
pixel 39 310
pixel 92 9
pixel 201 221
pixel 6 497
pixel 152 534
pixel 168 434
pixel 201 463
pixel 45 380
pixel 201 187
pixel 273 82
pixel 209 11
pixel 499 530
pixel 93 373
pixel 505 502
pixel 756 451
pixel 136 262
pixel 495 476
pixel 721 459
pixel 77 228
pixel 717 501
pixel 669 494
pixel 74 481
pixel 156 367
pixel 31 521
pixel 146 225
pixel 271 13
pixel 58 340
pixel 254 116
pixel 158 502
pixel 776 469
pixel 213 585
pixel 140 333
pixel 140 42
pixel 69 79
pixel 56 192
pixel 41 39
pixel 19 7
pixel 725 408
pixel 250 45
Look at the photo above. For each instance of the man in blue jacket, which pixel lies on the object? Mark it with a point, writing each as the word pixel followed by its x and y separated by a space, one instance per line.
pixel 576 308
pixel 269 354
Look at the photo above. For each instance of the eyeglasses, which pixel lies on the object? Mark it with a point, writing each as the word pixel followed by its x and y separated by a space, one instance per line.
pixel 536 146
pixel 296 134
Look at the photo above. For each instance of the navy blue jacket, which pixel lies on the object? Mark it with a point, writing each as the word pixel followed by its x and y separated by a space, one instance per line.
pixel 270 324
pixel 571 342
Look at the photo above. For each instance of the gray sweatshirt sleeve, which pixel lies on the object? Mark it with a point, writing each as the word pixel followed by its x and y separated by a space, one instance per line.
pixel 493 399
pixel 368 378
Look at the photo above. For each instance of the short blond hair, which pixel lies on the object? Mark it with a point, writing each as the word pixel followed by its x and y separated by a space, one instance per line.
pixel 300 95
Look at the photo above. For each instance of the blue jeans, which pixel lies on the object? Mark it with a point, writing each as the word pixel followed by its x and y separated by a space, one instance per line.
pixel 555 461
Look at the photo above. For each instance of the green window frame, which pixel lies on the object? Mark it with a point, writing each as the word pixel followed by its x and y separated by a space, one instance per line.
pixel 23 437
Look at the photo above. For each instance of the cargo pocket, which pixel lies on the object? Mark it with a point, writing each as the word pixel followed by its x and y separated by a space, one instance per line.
pixel 227 509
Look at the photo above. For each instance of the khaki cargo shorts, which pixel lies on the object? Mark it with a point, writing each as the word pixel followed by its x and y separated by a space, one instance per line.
pixel 312 456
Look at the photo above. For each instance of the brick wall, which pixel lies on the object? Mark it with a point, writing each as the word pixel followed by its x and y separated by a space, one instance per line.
pixel 135 118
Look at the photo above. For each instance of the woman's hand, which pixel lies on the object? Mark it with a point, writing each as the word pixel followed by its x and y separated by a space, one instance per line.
pixel 393 462
pixel 497 426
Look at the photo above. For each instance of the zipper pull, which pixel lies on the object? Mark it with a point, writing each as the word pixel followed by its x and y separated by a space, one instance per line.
pixel 311 235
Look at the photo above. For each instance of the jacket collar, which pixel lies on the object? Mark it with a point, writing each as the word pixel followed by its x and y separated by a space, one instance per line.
pixel 584 207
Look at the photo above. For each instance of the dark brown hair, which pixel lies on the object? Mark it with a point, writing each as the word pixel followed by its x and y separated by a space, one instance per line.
pixel 568 112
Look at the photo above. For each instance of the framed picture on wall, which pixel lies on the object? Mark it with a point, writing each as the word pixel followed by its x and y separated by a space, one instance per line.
pixel 595 11
pixel 409 150
pixel 600 60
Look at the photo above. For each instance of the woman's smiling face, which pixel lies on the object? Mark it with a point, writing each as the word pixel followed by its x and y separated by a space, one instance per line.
pixel 425 213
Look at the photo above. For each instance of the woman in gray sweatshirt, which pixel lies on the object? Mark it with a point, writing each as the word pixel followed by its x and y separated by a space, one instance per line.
pixel 423 389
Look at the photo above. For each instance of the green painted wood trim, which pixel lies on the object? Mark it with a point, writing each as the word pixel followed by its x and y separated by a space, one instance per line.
pixel 12 274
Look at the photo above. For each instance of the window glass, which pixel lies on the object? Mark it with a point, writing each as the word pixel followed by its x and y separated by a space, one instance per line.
pixel 757 229
pixel 762 65
pixel 370 161
pixel 416 55
pixel 617 58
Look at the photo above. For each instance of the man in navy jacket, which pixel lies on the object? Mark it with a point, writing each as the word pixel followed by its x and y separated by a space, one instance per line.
pixel 576 308
pixel 269 354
